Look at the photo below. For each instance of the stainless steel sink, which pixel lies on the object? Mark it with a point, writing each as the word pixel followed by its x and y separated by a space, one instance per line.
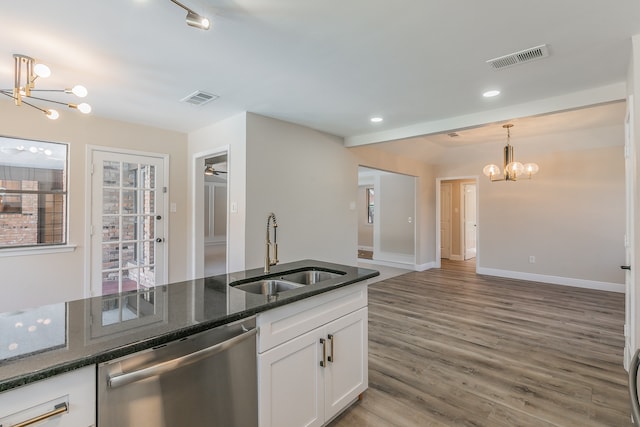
pixel 267 286
pixel 309 277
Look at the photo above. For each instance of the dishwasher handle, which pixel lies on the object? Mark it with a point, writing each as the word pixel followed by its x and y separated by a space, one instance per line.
pixel 155 370
pixel 633 387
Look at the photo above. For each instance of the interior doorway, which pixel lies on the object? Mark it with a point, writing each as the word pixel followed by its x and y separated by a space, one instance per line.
pixel 215 215
pixel 457 209
pixel 206 231
pixel 470 220
pixel 386 217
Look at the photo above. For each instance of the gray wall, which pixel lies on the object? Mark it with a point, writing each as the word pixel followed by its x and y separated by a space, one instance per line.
pixel 309 180
pixel 425 190
pixel 570 216
pixel 395 204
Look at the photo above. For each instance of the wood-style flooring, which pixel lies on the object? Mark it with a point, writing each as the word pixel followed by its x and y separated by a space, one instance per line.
pixel 448 347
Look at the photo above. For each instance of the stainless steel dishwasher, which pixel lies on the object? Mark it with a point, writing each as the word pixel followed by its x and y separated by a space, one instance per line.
pixel 208 379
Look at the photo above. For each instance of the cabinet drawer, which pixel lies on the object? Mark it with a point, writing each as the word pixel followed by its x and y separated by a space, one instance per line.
pixel 76 390
pixel 282 324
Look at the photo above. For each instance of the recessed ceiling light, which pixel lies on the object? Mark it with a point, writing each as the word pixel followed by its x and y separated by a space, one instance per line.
pixel 491 93
pixel 376 119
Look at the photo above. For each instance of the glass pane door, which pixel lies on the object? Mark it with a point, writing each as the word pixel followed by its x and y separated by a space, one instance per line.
pixel 127 222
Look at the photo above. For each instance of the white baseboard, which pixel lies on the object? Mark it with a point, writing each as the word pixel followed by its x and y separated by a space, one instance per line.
pixel 394 257
pixel 626 357
pixel 556 280
pixel 424 267
pixel 414 267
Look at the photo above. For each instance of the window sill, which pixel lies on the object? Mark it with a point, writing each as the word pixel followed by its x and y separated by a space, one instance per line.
pixel 37 250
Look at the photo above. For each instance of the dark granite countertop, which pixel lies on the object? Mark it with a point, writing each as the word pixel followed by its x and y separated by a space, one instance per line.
pixel 42 342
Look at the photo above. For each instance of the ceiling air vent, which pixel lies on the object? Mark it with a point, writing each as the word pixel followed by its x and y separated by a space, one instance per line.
pixel 199 98
pixel 526 55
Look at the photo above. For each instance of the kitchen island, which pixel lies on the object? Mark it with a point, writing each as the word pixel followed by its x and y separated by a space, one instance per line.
pixel 66 337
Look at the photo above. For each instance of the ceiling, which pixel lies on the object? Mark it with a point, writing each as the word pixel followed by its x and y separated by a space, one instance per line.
pixel 330 65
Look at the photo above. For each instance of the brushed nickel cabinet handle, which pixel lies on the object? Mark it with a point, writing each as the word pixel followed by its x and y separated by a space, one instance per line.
pixel 333 344
pixel 323 362
pixel 57 410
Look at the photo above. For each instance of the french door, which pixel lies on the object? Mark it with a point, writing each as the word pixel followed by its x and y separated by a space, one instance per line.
pixel 127 222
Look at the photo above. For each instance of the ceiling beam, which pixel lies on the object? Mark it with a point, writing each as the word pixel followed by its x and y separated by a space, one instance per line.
pixel 572 101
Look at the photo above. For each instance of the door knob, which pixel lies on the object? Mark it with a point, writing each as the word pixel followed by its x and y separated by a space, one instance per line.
pixel 625 267
pixel 159 240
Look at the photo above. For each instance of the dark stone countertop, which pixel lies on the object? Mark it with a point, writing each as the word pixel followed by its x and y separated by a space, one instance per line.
pixel 42 342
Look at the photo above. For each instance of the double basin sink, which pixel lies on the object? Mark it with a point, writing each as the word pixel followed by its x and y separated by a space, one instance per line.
pixel 287 281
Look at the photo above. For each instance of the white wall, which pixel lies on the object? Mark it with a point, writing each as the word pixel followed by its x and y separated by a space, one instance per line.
pixel 34 280
pixel 310 181
pixel 231 134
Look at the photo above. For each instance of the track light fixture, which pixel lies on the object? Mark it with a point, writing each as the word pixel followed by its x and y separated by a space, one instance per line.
pixel 26 71
pixel 193 19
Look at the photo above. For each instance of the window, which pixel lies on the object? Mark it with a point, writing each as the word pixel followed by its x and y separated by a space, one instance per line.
pixel 33 193
pixel 370 205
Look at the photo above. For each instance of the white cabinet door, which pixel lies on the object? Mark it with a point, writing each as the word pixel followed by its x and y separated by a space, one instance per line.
pixel 296 390
pixel 290 383
pixel 76 390
pixel 346 375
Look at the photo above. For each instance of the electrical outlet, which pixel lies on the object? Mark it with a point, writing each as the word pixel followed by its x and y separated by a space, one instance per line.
pixel 532 259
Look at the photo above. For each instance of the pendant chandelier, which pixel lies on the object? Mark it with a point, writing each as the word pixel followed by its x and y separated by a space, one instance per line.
pixel 26 71
pixel 512 169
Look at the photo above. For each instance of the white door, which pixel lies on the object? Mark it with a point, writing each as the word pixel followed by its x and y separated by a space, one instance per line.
pixel 629 238
pixel 290 383
pixel 127 222
pixel 347 373
pixel 445 220
pixel 469 205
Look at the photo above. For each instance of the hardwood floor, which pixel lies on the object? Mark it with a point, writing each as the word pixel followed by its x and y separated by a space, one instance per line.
pixel 448 347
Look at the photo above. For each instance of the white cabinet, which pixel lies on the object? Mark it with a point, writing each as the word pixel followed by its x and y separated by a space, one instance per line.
pixel 291 386
pixel 309 379
pixel 346 375
pixel 67 400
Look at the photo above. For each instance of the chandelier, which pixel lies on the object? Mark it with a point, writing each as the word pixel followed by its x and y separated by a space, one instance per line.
pixel 512 169
pixel 26 71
